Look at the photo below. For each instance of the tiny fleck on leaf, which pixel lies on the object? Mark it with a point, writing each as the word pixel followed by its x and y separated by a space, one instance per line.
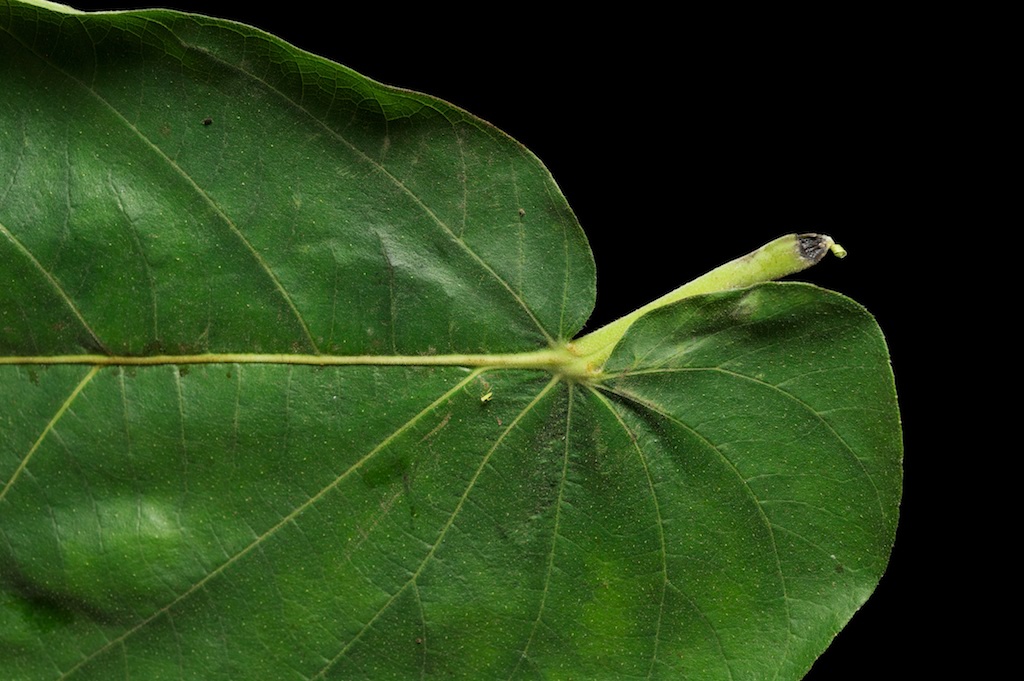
pixel 207 121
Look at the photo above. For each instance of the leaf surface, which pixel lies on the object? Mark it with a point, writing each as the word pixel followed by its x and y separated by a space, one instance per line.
pixel 290 488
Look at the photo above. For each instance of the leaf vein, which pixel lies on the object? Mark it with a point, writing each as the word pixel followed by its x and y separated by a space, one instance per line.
pixel 554 537
pixel 766 523
pixel 285 521
pixel 380 168
pixel 660 524
pixel 214 206
pixel 444 530
pixel 803 405
pixel 52 281
pixel 137 241
pixel 50 425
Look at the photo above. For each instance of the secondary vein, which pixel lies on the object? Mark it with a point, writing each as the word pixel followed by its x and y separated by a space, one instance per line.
pixel 195 187
pixel 285 521
pixel 54 284
pixel 412 581
pixel 48 429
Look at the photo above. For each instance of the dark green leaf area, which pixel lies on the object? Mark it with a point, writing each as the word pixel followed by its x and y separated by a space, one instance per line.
pixel 710 511
pixel 291 503
pixel 388 523
pixel 773 415
pixel 318 211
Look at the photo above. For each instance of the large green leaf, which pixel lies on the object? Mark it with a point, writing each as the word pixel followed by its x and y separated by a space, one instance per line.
pixel 286 393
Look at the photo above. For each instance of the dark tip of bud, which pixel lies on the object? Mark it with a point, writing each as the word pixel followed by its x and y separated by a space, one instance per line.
pixel 813 247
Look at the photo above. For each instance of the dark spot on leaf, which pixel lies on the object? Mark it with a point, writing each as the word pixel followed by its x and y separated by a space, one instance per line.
pixel 839 568
pixel 522 212
pixel 419 641
pixel 33 376
pixel 183 370
pixel 207 121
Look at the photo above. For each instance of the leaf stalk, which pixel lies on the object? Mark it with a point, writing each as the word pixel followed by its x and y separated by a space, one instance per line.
pixel 779 258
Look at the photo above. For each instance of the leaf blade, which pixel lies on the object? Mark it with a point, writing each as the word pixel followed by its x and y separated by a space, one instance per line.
pixel 792 489
pixel 243 520
pixel 216 172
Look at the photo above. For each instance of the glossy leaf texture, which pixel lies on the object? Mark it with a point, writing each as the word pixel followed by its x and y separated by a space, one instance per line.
pixel 717 507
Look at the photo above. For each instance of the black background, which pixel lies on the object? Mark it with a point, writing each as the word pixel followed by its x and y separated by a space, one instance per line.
pixel 683 143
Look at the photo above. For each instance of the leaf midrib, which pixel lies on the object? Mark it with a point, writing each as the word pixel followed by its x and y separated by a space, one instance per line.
pixel 540 359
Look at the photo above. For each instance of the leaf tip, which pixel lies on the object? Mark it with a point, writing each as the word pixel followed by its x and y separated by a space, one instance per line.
pixel 813 247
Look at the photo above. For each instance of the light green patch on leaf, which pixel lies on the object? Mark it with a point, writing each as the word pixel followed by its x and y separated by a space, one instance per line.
pixel 291 385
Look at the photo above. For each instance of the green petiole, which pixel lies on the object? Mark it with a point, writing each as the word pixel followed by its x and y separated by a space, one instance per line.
pixel 779 258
